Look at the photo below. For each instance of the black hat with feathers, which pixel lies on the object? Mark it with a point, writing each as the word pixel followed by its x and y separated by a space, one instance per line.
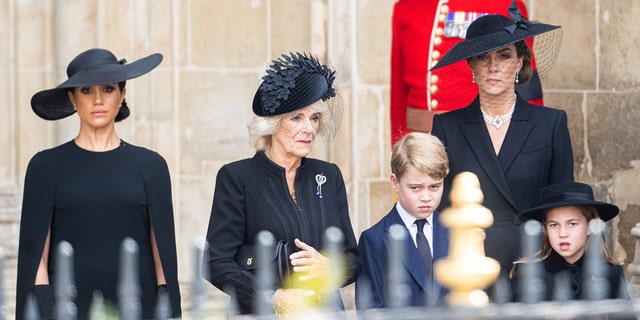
pixel 293 82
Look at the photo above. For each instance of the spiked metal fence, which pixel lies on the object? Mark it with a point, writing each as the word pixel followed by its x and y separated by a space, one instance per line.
pixel 594 306
pixel 594 303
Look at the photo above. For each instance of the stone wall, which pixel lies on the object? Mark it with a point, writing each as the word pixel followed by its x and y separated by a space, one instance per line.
pixel 194 108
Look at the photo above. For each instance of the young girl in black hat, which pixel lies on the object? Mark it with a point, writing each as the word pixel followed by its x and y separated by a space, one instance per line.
pixel 567 211
pixel 93 192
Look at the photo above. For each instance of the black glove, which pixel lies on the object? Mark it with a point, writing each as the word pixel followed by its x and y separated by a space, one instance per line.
pixel 163 289
pixel 46 300
pixel 163 304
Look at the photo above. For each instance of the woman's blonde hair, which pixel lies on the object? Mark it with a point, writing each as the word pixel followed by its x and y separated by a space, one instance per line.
pixel 422 151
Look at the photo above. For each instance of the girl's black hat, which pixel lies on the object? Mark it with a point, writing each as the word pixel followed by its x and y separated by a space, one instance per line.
pixel 568 194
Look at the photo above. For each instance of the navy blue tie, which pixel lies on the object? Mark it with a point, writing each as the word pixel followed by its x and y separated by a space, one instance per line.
pixel 423 246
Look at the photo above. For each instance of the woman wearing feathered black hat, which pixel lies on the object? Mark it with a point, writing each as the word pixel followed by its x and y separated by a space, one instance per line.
pixel 567 212
pixel 95 191
pixel 513 147
pixel 282 191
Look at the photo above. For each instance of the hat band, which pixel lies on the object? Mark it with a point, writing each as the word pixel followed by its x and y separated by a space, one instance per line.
pixel 568 196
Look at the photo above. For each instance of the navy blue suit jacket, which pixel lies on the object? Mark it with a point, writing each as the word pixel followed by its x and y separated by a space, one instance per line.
pixel 536 152
pixel 371 284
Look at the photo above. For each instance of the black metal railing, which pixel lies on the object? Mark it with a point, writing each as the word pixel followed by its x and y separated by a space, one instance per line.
pixel 530 291
pixel 594 306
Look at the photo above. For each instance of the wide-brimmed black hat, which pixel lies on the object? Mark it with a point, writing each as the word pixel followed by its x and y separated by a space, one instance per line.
pixel 293 82
pixel 92 67
pixel 491 32
pixel 568 194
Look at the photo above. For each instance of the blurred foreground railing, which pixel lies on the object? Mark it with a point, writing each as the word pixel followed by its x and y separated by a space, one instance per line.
pixel 530 292
pixel 466 299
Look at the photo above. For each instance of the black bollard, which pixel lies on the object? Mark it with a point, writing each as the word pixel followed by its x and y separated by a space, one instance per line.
pixel 31 308
pixel 64 286
pixel 197 286
pixel 595 278
pixel 532 287
pixel 333 239
pixel 3 315
pixel 265 246
pixel 98 310
pixel 128 281
pixel 398 292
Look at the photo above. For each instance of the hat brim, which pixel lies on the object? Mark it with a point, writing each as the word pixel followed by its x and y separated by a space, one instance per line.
pixel 54 104
pixel 472 47
pixel 606 211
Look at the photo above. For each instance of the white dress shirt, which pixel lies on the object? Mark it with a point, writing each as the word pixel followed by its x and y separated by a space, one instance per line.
pixel 409 222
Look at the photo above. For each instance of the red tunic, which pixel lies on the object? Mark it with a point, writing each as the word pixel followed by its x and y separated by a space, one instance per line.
pixel 423 31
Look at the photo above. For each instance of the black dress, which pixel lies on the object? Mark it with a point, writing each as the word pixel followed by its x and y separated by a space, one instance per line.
pixel 252 195
pixel 94 200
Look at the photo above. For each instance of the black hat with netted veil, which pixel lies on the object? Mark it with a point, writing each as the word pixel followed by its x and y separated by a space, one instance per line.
pixel 296 81
pixel 494 31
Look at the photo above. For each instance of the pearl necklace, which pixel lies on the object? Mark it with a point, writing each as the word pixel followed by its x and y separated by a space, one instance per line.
pixel 498 121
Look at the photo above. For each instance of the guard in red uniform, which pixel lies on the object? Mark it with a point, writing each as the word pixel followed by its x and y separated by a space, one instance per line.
pixel 423 31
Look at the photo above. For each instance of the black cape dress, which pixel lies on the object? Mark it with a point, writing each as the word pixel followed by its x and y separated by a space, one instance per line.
pixel 94 200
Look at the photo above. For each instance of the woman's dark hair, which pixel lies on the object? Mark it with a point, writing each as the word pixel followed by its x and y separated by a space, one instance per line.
pixel 124 111
pixel 523 51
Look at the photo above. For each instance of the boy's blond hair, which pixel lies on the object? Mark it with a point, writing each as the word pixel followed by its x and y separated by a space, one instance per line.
pixel 420 150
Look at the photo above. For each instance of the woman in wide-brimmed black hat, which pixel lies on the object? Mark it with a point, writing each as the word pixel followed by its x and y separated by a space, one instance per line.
pixel 567 212
pixel 294 197
pixel 513 147
pixel 94 192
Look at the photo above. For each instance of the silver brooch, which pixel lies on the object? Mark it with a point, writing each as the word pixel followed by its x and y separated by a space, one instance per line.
pixel 320 180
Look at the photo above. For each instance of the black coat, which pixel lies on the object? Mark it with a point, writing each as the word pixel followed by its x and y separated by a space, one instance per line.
pixel 536 152
pixel 252 195
pixel 94 200
pixel 571 278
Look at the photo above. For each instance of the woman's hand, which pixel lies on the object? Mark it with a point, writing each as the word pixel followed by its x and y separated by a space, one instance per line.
pixel 291 301
pixel 309 261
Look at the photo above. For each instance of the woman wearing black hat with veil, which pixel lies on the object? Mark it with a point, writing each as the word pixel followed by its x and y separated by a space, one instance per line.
pixel 95 191
pixel 281 190
pixel 513 147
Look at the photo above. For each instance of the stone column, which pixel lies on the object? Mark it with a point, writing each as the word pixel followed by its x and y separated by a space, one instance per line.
pixel 634 267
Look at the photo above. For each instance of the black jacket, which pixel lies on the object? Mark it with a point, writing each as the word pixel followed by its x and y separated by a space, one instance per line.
pixel 251 195
pixel 536 152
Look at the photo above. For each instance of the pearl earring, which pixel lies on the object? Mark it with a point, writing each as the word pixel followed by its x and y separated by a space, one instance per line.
pixel 517 74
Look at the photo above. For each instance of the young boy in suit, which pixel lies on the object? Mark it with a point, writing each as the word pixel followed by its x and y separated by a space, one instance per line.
pixel 419 165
